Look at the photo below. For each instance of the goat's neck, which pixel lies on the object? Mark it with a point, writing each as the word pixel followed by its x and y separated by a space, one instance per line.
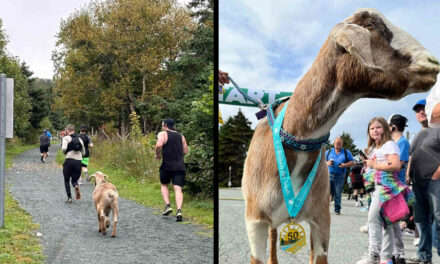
pixel 317 101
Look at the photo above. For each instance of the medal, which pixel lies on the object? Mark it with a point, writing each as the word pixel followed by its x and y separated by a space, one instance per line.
pixel 292 237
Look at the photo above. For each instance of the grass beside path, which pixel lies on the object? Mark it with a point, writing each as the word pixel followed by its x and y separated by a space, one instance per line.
pixel 18 241
pixel 147 192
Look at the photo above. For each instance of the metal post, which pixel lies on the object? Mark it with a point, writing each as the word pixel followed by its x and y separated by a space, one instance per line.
pixel 2 146
pixel 229 183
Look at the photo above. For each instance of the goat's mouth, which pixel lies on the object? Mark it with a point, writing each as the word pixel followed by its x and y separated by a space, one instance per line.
pixel 423 82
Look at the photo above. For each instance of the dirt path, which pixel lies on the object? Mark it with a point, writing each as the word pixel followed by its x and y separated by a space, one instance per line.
pixel 70 231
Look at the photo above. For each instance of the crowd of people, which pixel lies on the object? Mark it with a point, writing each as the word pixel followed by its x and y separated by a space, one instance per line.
pixel 400 180
pixel 170 147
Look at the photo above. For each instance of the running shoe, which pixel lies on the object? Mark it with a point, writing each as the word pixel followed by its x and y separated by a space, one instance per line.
pixel 416 241
pixel 69 200
pixel 364 228
pixel 179 215
pixel 168 210
pixel 77 193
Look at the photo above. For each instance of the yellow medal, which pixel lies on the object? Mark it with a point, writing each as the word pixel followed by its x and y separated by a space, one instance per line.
pixel 292 238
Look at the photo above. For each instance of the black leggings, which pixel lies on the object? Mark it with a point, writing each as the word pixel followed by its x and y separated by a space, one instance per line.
pixel 71 169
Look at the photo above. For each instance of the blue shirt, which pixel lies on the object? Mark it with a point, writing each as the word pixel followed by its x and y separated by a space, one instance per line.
pixel 404 156
pixel 337 159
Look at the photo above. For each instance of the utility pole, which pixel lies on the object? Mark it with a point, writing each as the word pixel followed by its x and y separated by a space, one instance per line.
pixel 229 182
pixel 2 146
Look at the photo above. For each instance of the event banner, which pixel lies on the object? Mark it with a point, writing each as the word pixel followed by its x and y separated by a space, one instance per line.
pixel 233 97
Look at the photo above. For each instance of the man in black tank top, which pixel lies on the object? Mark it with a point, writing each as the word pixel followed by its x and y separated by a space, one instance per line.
pixel 172 145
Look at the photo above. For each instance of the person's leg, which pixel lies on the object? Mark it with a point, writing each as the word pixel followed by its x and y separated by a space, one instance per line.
pixel 399 250
pixel 332 185
pixel 374 227
pixel 179 196
pixel 434 197
pixel 339 184
pixel 387 243
pixel 67 179
pixel 165 193
pixel 422 218
pixel 76 173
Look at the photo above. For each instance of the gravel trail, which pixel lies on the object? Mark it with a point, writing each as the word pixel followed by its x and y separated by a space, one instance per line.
pixel 70 231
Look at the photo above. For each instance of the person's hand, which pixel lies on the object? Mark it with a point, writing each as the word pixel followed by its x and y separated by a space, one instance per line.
pixel 407 180
pixel 330 162
pixel 436 174
pixel 371 163
pixel 157 157
pixel 223 77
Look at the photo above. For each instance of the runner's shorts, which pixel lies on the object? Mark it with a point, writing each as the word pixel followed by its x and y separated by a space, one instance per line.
pixel 178 177
pixel 44 148
pixel 85 162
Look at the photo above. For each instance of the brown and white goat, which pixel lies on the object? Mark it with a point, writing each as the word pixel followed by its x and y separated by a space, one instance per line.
pixel 364 56
pixel 105 197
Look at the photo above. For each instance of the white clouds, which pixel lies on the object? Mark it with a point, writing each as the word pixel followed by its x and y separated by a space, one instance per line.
pixel 271 44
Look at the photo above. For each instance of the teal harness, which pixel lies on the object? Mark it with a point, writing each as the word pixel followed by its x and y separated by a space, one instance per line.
pixel 294 204
pixel 283 138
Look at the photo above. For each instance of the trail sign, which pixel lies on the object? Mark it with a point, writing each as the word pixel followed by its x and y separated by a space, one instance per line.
pixel 6 124
pixel 233 97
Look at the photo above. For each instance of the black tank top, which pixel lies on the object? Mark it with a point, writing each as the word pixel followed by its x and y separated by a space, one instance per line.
pixel 172 152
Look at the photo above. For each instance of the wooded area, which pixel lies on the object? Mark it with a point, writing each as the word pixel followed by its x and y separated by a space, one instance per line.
pixel 120 61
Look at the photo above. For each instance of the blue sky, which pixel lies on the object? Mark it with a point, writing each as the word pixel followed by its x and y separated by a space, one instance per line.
pixel 269 45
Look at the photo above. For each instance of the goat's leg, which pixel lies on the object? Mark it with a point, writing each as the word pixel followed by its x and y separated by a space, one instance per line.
pixel 319 238
pixel 115 219
pixel 102 221
pixel 273 235
pixel 257 231
pixel 99 223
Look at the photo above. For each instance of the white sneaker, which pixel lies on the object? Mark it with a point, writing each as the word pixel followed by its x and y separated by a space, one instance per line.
pixel 358 204
pixel 364 228
pixel 416 241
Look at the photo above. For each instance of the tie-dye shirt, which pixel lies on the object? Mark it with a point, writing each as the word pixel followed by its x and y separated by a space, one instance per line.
pixel 392 186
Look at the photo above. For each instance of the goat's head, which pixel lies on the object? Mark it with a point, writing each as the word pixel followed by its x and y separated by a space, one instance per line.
pixel 376 59
pixel 99 177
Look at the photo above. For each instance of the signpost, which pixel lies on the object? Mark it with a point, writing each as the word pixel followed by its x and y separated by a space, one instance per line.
pixel 229 182
pixel 6 131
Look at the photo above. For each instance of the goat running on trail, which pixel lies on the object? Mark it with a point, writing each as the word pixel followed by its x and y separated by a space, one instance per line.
pixel 364 57
pixel 105 197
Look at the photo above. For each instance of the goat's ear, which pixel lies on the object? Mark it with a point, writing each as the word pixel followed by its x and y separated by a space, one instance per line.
pixel 356 41
pixel 106 177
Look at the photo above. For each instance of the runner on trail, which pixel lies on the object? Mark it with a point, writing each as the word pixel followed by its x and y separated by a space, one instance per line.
pixel 87 144
pixel 73 148
pixel 44 145
pixel 172 145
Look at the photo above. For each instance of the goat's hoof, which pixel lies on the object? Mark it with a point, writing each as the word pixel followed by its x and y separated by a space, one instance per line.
pixel 99 230
pixel 113 235
pixel 104 233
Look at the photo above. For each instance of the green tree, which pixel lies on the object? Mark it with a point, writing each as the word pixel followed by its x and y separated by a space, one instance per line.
pixel 234 138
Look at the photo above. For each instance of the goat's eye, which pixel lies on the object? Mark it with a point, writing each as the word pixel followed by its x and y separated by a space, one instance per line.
pixel 369 25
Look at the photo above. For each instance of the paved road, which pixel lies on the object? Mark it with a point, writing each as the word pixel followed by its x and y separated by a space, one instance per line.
pixel 347 243
pixel 70 231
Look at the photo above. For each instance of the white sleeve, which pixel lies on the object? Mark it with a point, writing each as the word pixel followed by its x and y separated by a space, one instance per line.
pixel 431 101
pixel 390 147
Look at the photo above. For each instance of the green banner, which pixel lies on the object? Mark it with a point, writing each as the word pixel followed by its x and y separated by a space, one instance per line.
pixel 233 97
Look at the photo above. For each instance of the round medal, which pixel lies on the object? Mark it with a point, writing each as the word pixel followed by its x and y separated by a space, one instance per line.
pixel 292 238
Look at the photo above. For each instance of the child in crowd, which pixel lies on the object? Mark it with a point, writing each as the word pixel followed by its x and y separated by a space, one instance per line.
pixel 383 165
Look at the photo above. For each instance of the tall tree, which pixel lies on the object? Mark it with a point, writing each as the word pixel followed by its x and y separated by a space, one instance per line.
pixel 234 139
pixel 114 54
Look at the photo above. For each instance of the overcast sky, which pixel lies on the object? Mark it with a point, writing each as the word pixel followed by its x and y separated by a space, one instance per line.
pixel 269 45
pixel 31 27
